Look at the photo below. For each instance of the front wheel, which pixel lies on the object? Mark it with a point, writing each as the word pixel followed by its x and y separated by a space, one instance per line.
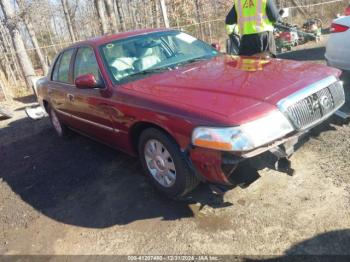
pixel 165 164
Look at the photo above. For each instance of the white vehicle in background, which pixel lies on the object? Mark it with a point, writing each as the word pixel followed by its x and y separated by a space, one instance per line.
pixel 338 46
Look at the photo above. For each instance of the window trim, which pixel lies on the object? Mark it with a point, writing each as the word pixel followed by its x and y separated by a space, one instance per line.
pixel 55 66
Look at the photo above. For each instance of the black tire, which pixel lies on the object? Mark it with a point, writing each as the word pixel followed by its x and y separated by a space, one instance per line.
pixel 61 129
pixel 185 180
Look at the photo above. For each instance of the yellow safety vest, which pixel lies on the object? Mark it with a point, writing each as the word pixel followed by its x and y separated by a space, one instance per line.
pixel 252 17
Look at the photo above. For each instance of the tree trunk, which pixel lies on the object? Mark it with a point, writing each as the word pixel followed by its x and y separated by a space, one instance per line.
pixel 164 13
pixel 131 10
pixel 301 10
pixel 120 14
pixel 99 4
pixel 68 20
pixel 4 63
pixel 10 54
pixel 48 28
pixel 23 58
pixel 199 21
pixel 111 16
pixel 4 87
pixel 156 14
pixel 33 37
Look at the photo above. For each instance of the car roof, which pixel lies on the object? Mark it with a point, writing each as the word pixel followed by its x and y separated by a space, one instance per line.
pixel 97 41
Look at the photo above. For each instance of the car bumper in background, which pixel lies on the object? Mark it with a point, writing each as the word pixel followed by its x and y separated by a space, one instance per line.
pixel 338 51
pixel 342 64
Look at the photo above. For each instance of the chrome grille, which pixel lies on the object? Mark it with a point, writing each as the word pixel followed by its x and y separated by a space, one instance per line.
pixel 316 106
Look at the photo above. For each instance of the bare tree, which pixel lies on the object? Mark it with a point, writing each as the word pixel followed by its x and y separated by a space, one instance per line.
pixel 164 13
pixel 99 4
pixel 132 15
pixel 12 24
pixel 111 15
pixel 3 87
pixel 7 64
pixel 67 16
pixel 155 13
pixel 31 32
pixel 199 21
pixel 120 14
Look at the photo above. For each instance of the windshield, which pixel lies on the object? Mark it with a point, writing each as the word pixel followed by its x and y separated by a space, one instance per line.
pixel 136 57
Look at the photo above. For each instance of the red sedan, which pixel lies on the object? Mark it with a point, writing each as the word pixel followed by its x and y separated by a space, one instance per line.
pixel 190 113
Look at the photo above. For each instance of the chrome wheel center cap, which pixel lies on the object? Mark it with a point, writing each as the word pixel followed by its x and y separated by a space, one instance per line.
pixel 160 164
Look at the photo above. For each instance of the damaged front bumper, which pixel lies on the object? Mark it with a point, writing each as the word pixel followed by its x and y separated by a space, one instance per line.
pixel 218 167
pixel 296 115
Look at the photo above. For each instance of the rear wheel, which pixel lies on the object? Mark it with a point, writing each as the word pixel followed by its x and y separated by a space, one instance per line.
pixel 165 164
pixel 60 128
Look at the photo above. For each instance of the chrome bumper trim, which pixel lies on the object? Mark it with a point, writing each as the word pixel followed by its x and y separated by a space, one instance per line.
pixel 277 143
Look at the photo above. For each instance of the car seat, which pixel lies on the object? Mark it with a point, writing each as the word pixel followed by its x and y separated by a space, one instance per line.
pixel 147 59
pixel 120 61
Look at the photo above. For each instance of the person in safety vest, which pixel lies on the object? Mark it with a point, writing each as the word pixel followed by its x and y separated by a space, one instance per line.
pixel 255 19
pixel 233 32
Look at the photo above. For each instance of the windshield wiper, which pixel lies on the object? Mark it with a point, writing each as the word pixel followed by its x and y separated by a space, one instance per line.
pixel 193 60
pixel 151 71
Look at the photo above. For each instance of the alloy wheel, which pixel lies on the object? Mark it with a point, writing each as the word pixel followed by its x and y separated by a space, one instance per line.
pixel 160 163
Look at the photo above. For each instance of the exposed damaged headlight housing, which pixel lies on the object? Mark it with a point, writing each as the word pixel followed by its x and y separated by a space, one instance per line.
pixel 245 137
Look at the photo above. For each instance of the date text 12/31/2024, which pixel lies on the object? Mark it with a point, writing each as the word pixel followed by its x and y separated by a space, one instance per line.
pixel 173 258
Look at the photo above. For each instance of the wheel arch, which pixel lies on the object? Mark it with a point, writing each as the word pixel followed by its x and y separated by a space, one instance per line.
pixel 137 129
pixel 46 105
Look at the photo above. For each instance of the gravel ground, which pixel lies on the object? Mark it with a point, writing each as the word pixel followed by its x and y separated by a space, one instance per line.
pixel 76 196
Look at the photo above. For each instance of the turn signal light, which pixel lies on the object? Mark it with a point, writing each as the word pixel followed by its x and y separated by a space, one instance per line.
pixel 213 144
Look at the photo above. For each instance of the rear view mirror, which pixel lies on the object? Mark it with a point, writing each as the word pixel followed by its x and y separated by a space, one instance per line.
pixel 87 81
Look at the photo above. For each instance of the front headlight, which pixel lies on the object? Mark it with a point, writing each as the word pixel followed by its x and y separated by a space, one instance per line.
pixel 245 137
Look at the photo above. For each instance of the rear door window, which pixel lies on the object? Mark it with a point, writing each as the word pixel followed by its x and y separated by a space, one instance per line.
pixel 63 69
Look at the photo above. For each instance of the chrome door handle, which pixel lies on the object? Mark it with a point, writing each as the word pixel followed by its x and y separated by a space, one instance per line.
pixel 70 97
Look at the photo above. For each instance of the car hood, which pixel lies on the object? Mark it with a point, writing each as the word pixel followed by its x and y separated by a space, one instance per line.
pixel 231 89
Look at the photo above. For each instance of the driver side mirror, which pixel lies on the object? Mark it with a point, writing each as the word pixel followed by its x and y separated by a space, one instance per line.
pixel 216 46
pixel 87 81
